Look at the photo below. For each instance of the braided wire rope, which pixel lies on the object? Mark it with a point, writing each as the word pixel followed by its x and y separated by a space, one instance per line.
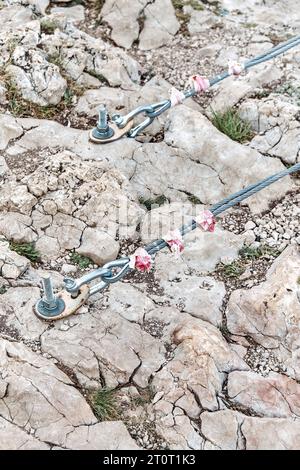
pixel 216 209
pixel 154 110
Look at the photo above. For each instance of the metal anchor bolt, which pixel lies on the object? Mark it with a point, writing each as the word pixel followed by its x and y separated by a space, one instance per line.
pixel 102 131
pixel 50 305
pixel 49 297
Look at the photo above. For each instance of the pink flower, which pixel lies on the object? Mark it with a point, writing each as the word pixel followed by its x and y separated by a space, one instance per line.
pixel 206 220
pixel 140 260
pixel 235 68
pixel 174 240
pixel 199 83
pixel 176 96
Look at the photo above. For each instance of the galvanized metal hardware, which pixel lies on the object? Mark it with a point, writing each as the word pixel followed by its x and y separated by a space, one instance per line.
pixel 55 307
pixel 103 131
pixel 50 305
pixel 106 131
pixel 110 273
pixel 66 302
pixel 76 292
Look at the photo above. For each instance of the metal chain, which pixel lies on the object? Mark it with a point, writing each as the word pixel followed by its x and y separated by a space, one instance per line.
pixel 108 274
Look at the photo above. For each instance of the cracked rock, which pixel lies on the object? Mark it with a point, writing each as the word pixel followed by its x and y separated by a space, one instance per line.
pixel 230 430
pixel 101 436
pixel 38 80
pixel 12 265
pixel 108 345
pixel 98 246
pixel 160 25
pixel 270 312
pixel 198 343
pixel 278 129
pixel 275 396
pixel 40 396
pixel 231 162
pixel 123 18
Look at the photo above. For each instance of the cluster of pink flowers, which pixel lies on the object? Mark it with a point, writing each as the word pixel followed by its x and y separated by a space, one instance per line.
pixel 142 261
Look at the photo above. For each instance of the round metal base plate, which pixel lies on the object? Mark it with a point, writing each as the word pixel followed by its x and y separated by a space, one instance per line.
pixel 49 314
pixel 118 133
pixel 70 305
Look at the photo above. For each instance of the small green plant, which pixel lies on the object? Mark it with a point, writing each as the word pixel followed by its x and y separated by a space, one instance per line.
pixel 145 396
pixel 3 289
pixel 290 90
pixel 82 261
pixel 178 4
pixel 196 5
pixel 232 270
pixel 264 93
pixel 249 25
pixel 26 249
pixel 20 107
pixel 55 59
pixel 48 26
pixel 180 15
pixel 100 4
pixel 230 124
pixel 105 404
pixel 69 95
pixel 250 253
pixel 158 201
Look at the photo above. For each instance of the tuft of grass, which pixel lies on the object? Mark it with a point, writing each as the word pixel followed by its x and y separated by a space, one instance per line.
pixel 249 25
pixel 196 5
pixel 55 59
pixel 145 396
pixel 48 26
pixel 105 404
pixel 158 201
pixel 230 124
pixel 82 261
pixel 20 107
pixel 250 253
pixel 232 270
pixel 182 17
pixel 26 249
